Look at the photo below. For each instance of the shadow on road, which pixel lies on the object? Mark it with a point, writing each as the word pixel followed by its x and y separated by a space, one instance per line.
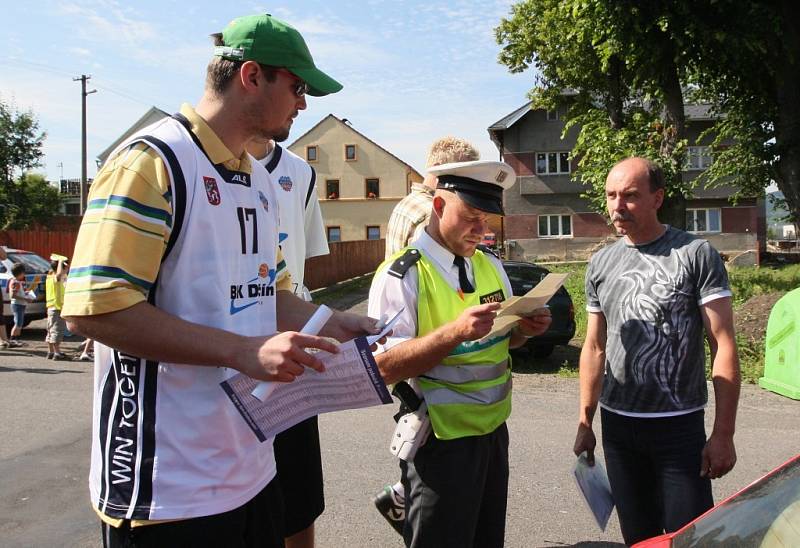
pixel 36 370
pixel 587 544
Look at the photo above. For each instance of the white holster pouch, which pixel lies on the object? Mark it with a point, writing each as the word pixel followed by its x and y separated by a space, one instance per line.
pixel 410 434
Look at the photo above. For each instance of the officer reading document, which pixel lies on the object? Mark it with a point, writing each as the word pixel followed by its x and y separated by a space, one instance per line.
pixel 447 291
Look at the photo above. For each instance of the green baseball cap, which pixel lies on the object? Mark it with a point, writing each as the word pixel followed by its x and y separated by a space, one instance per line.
pixel 270 41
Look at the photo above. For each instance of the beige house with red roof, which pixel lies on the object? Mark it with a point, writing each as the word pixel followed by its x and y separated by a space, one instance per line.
pixel 358 181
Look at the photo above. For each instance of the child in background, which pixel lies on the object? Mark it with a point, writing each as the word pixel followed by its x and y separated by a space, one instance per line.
pixel 3 335
pixel 19 300
pixel 55 301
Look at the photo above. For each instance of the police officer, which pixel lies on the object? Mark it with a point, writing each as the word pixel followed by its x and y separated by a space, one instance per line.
pixel 447 291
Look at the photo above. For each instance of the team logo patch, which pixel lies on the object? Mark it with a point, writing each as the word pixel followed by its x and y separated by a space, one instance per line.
pixel 254 291
pixel 496 297
pixel 212 191
pixel 264 201
pixel 286 183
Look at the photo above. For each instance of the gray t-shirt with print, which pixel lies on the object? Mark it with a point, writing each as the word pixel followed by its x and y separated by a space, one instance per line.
pixel 650 295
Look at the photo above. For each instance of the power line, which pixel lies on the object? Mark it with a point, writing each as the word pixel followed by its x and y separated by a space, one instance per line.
pixel 40 66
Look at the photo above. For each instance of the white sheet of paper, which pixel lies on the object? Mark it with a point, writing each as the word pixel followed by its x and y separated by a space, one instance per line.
pixel 525 305
pixel 351 380
pixel 372 339
pixel 593 484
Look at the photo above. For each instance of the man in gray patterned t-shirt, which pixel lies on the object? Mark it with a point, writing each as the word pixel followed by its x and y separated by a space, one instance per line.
pixel 651 297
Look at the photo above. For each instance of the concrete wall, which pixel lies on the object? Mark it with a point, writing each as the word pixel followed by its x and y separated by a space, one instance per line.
pixel 353 211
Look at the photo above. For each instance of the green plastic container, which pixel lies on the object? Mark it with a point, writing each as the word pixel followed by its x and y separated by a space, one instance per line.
pixel 782 354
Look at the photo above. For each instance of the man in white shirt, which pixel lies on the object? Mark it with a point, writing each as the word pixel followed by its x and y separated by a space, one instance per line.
pixel 301 236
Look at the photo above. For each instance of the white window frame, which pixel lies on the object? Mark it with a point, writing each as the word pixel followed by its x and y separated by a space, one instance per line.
pixel 702 155
pixel 560 168
pixel 695 212
pixel 560 226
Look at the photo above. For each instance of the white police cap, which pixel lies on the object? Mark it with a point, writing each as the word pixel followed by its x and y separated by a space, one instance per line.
pixel 480 183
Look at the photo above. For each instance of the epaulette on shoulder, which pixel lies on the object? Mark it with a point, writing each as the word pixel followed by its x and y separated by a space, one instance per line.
pixel 489 250
pixel 405 261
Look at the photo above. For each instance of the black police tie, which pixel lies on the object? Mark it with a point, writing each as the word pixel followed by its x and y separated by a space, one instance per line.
pixel 463 281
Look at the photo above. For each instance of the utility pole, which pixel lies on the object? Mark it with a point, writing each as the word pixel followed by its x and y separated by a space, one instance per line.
pixel 83 79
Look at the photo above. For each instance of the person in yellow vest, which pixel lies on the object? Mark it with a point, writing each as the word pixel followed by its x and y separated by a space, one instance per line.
pixel 447 291
pixel 54 292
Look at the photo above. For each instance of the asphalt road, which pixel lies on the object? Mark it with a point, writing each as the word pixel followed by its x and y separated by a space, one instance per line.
pixel 44 451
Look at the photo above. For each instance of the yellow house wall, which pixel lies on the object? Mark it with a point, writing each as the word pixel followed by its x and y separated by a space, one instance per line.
pixel 353 211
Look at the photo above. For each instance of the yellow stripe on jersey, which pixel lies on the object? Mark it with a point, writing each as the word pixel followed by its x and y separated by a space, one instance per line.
pixel 123 235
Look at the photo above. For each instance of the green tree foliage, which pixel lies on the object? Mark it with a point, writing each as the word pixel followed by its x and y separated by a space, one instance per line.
pixel 622 67
pixel 20 142
pixel 25 198
pixel 29 200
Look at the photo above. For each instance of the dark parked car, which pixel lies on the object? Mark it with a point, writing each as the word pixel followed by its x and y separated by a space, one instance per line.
pixel 524 277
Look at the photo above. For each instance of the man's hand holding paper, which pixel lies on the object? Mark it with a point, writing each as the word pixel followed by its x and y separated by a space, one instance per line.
pixel 532 307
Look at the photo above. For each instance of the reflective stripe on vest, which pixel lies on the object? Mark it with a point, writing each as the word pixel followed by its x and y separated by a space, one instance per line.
pixel 493 394
pixel 465 373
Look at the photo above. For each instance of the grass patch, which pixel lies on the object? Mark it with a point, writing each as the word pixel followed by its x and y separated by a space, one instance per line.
pixel 747 282
pixel 575 286
pixel 335 292
pixel 568 370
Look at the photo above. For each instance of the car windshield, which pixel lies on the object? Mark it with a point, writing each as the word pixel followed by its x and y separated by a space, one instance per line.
pixel 33 263
pixel 523 274
pixel 759 516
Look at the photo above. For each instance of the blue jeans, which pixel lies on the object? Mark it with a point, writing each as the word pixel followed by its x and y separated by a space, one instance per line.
pixel 19 314
pixel 653 467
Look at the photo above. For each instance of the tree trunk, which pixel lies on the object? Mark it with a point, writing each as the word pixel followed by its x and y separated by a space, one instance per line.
pixel 615 101
pixel 673 211
pixel 787 121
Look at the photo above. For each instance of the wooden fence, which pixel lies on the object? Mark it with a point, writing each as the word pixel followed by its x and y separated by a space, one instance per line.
pixel 41 242
pixel 346 260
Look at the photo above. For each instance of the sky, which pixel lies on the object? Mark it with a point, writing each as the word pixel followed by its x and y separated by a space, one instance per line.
pixel 413 71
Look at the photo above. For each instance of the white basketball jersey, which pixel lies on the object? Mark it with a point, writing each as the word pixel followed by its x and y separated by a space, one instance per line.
pixel 167 442
pixel 302 232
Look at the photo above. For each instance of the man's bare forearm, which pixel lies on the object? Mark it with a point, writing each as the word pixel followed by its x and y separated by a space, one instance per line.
pixel 727 385
pixel 416 356
pixel 592 364
pixel 148 332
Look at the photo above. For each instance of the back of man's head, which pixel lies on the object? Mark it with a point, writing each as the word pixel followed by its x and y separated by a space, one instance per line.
pixel 451 149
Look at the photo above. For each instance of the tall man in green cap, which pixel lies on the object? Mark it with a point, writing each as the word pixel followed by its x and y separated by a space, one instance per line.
pixel 179 278
pixel 447 292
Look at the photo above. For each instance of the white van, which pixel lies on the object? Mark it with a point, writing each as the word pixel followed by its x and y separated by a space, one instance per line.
pixel 36 269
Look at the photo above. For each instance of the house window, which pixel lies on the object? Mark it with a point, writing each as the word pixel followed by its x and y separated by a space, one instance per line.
pixel 350 152
pixel 552 115
pixel 373 233
pixel 703 220
pixel 332 189
pixel 311 153
pixel 698 158
pixel 72 209
pixel 334 234
pixel 555 226
pixel 373 188
pixel 552 163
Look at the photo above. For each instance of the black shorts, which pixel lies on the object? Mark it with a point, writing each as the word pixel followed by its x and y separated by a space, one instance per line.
pixel 257 523
pixel 299 463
